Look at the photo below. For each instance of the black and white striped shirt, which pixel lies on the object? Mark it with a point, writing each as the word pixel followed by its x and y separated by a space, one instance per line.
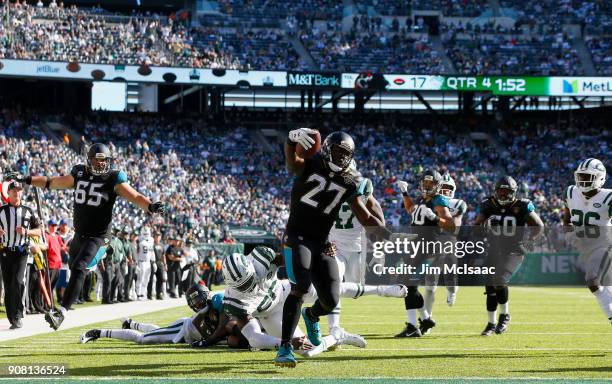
pixel 12 217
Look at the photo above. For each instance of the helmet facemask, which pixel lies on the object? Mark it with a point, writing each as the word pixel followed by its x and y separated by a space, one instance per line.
pixel 429 186
pixel 507 195
pixel 337 157
pixel 99 165
pixel 448 190
pixel 588 180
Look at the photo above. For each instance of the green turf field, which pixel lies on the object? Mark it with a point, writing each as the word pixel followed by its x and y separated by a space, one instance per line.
pixel 555 333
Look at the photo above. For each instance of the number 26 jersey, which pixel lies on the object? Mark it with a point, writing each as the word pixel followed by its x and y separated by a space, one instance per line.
pixel 316 198
pixel 94 198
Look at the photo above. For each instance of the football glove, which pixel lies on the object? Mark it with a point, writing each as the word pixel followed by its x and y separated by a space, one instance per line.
pixel 157 207
pixel 402 186
pixel 301 136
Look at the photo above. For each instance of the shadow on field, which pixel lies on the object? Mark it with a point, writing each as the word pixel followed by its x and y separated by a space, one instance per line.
pixel 150 370
pixel 577 369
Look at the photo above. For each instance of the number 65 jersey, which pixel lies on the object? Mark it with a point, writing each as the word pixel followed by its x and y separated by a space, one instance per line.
pixel 592 218
pixel 94 198
pixel 316 198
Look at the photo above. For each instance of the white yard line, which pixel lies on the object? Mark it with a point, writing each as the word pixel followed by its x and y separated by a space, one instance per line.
pixel 36 324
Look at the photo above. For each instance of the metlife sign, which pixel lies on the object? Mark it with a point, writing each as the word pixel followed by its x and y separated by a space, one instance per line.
pixel 314 80
pixel 580 86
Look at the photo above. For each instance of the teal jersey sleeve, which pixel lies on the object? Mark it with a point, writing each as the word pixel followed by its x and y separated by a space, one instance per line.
pixel 440 201
pixel 217 302
pixel 121 178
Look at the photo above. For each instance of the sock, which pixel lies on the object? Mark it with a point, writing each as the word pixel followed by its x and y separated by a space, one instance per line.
pixel 604 299
pixel 412 316
pixel 63 310
pixel 291 317
pixel 430 298
pixel 491 315
pixel 452 288
pixel 333 319
pixel 503 308
pixel 424 313
pixel 354 290
pixel 143 327
pixel 122 334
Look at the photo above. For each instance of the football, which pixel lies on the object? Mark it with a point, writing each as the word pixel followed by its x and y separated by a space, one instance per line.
pixel 308 153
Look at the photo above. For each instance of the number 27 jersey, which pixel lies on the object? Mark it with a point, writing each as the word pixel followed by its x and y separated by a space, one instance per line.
pixel 316 198
pixel 94 198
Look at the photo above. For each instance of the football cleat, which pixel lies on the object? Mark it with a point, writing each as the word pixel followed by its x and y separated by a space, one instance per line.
pixel 126 323
pixel 451 297
pixel 54 318
pixel 284 357
pixel 313 330
pixel 502 324
pixel 409 331
pixel 426 325
pixel 398 290
pixel 90 335
pixel 346 338
pixel 489 330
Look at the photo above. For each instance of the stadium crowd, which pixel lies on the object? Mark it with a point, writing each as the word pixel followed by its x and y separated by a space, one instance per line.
pixel 214 176
pixel 256 34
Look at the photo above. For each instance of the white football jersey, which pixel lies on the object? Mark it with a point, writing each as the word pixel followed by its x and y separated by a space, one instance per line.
pixel 266 296
pixel 189 333
pixel 146 247
pixel 592 218
pixel 347 232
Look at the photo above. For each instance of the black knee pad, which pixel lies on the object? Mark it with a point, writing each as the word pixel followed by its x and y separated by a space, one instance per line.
pixel 414 299
pixel 502 294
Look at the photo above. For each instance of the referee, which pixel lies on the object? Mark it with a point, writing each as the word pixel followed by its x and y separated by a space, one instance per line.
pixel 17 222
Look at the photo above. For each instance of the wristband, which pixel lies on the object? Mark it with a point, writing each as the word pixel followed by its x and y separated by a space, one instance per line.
pixel 47 183
pixel 405 194
pixel 28 180
pixel 436 220
pixel 291 143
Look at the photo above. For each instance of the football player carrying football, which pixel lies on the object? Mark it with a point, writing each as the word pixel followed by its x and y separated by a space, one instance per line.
pixel 508 220
pixel 588 215
pixel 322 183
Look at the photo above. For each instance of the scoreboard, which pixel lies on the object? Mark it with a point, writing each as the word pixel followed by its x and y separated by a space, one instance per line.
pixel 497 85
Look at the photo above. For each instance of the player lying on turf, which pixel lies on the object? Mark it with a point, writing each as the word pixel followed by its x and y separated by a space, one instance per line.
pixel 255 297
pixel 183 330
pixel 588 218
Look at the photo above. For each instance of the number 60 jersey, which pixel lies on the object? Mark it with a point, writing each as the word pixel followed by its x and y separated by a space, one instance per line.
pixel 316 198
pixel 94 198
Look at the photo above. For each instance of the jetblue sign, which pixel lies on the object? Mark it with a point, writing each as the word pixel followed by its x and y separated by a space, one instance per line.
pixel 315 80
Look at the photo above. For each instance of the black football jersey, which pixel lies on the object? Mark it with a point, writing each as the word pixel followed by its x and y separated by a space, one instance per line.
pixel 316 198
pixel 94 198
pixel 506 222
